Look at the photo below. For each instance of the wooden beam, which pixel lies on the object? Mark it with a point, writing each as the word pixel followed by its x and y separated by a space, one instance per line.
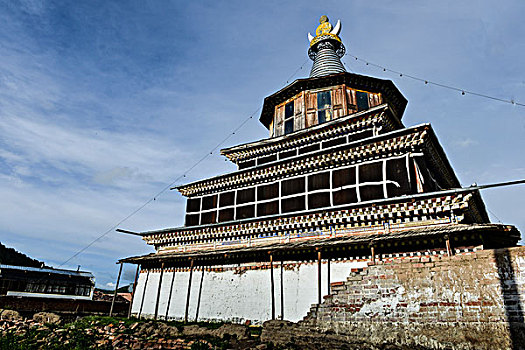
pixel 272 286
pixel 189 291
pixel 199 298
pixel 134 289
pixel 449 248
pixel 115 294
pixel 319 296
pixel 158 291
pixel 143 294
pixel 328 274
pixel 282 291
pixel 169 297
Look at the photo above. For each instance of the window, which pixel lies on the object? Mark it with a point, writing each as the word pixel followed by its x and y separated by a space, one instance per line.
pixel 362 100
pixel 319 181
pixel 292 186
pixel 209 217
pixel 226 199
pixel 288 117
pixel 318 200
pixel 248 211
pixel 209 202
pixel 226 215
pixel 193 205
pixel 293 204
pixel 268 191
pixel 192 220
pixel 268 208
pixel 246 196
pixel 324 106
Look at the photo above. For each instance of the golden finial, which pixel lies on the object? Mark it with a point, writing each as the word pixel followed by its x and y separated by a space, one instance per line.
pixel 325 27
pixel 325 30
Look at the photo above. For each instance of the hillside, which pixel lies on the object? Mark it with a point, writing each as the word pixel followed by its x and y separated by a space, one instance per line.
pixel 9 256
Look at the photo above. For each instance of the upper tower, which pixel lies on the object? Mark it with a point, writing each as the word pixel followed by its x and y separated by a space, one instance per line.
pixel 326 49
pixel 329 93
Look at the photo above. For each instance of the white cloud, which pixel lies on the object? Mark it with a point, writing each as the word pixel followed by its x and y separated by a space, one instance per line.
pixel 466 142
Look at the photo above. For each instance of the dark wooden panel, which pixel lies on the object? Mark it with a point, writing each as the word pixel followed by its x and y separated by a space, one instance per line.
pixel 371 172
pixel 318 200
pixel 345 196
pixel 246 196
pixel 193 205
pixel 192 220
pixel 343 177
pixel 227 199
pixel 292 186
pixel 319 181
pixel 293 204
pixel 209 217
pixel 226 215
pixel 268 208
pixel 371 192
pixel 209 202
pixel 267 191
pixel 245 212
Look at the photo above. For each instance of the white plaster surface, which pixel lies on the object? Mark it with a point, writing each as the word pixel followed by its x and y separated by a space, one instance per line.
pixel 237 297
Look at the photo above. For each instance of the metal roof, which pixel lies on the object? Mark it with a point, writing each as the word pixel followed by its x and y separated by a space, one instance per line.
pixel 48 270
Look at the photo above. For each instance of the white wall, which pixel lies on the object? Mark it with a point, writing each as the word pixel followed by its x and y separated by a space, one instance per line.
pixel 236 296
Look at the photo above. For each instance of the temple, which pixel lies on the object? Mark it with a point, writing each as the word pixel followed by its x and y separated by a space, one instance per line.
pixel 340 182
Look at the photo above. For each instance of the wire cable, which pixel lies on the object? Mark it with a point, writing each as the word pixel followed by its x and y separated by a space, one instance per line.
pixel 164 189
pixel 429 82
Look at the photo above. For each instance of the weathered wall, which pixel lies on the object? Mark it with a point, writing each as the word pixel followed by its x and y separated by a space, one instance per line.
pixel 469 301
pixel 240 293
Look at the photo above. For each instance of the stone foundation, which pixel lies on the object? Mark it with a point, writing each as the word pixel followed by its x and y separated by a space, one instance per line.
pixel 467 301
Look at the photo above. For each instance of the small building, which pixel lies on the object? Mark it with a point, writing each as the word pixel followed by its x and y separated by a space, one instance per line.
pixel 339 182
pixel 34 282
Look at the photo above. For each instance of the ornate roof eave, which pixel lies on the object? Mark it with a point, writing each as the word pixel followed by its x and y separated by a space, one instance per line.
pixel 439 158
pixel 319 128
pixel 392 95
pixel 183 258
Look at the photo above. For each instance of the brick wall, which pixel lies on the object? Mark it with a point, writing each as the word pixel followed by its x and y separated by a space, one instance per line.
pixel 467 301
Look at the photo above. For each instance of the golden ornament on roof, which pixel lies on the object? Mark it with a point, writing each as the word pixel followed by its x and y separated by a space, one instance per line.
pixel 325 31
pixel 324 28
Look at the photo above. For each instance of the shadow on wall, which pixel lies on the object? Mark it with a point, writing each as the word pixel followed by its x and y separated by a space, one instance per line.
pixel 511 297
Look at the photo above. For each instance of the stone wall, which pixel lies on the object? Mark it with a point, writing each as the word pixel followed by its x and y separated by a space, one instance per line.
pixel 468 301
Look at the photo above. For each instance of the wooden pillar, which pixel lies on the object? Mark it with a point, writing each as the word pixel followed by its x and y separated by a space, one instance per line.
pixel 272 286
pixel 199 297
pixel 328 274
pixel 282 291
pixel 189 291
pixel 143 294
pixel 115 294
pixel 134 289
pixel 373 253
pixel 169 297
pixel 158 291
pixel 449 248
pixel 319 295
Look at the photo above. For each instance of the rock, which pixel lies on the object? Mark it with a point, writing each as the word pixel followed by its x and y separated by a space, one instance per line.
pixel 196 331
pixel 9 315
pixel 46 317
pixel 236 330
pixel 277 332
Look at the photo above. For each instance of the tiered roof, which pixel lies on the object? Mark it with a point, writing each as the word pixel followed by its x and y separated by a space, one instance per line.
pixel 365 179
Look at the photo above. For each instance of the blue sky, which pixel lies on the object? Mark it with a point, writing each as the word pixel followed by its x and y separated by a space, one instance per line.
pixel 103 103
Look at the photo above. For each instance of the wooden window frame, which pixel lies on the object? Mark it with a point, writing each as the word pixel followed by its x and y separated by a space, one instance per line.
pixel 410 159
